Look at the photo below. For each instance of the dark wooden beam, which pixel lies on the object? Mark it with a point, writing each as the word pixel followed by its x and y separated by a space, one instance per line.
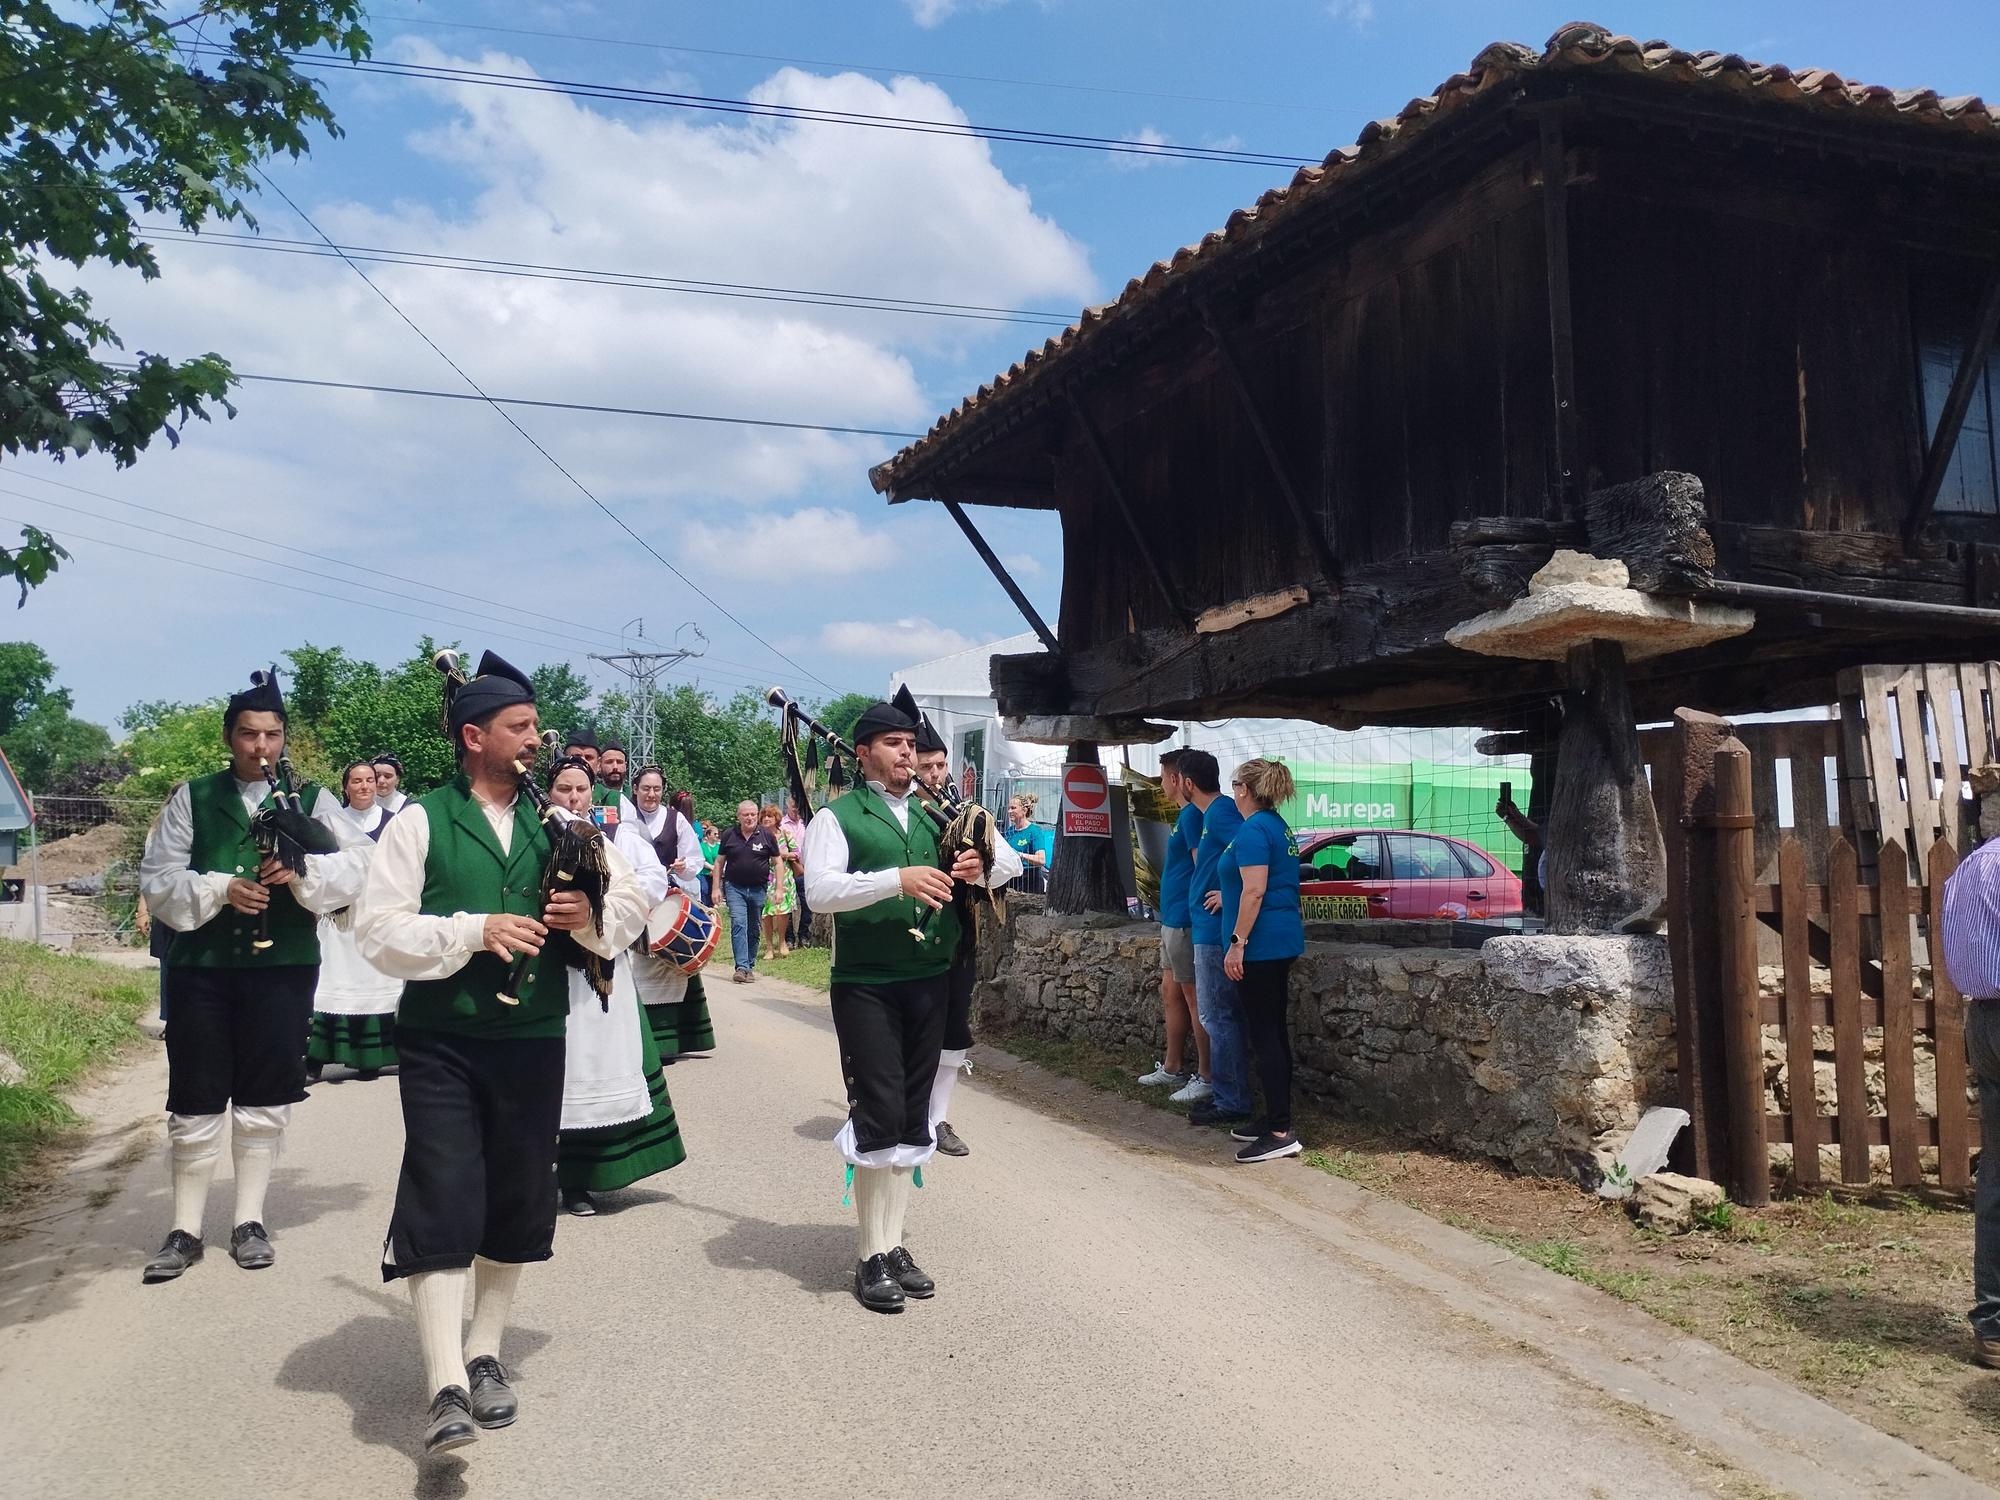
pixel 1970 368
pixel 1116 489
pixel 1907 613
pixel 1562 343
pixel 1306 521
pixel 999 571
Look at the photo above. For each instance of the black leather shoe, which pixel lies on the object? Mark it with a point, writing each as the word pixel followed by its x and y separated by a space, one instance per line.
pixel 493 1400
pixel 315 1072
pixel 948 1141
pixel 875 1288
pixel 577 1201
pixel 450 1421
pixel 913 1281
pixel 179 1251
pixel 368 1075
pixel 250 1246
pixel 1205 1113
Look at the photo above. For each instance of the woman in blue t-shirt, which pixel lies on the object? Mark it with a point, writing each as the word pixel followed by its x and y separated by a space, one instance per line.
pixel 1260 887
pixel 1035 844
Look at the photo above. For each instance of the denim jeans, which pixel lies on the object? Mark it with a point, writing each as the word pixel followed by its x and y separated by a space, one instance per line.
pixel 1222 1018
pixel 1982 1046
pixel 746 921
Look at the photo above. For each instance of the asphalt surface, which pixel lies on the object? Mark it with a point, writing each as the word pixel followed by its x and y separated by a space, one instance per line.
pixel 1111 1319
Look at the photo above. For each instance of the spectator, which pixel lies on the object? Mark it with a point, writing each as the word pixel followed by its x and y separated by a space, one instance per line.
pixel 1215 992
pixel 1971 941
pixel 1035 844
pixel 1177 949
pixel 743 867
pixel 711 847
pixel 1260 891
pixel 794 823
pixel 782 885
pixel 1534 850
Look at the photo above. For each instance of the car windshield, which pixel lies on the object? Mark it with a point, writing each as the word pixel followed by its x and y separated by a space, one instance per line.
pixel 1345 856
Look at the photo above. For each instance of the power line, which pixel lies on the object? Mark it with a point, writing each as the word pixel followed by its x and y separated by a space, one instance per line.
pixel 855 67
pixel 188 562
pixel 556 642
pixel 612 411
pixel 338 562
pixel 587 276
pixel 805 114
pixel 555 463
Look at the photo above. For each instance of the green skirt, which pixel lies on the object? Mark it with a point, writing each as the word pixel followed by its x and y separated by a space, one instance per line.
pixel 363 1043
pixel 602 1161
pixel 685 1027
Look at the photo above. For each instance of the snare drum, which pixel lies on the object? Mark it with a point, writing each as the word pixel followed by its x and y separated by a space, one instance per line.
pixel 682 931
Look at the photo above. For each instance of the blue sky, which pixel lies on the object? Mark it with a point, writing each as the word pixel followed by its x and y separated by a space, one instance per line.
pixel 416 497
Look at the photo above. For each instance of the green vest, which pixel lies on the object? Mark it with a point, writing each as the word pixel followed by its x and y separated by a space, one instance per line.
pixel 223 844
pixel 466 871
pixel 604 796
pixel 873 945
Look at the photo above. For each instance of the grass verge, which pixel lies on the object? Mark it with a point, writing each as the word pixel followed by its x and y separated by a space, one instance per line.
pixel 807 966
pixel 1859 1297
pixel 60 1018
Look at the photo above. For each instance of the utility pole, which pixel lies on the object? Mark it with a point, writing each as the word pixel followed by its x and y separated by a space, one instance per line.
pixel 643 663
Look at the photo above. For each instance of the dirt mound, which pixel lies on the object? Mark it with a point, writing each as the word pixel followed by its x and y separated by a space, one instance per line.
pixel 89 853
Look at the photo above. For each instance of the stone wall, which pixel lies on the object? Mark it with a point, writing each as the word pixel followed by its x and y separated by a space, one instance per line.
pixel 1524 1049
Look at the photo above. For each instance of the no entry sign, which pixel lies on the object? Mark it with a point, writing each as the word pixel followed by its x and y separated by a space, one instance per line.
pixel 1086 802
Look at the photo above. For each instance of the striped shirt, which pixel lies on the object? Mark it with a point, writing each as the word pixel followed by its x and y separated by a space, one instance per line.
pixel 1972 923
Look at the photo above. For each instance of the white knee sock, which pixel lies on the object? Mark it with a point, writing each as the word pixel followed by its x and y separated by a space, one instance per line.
pixel 949 1066
pixel 899 1202
pixel 255 1135
pixel 874 1192
pixel 194 1147
pixel 439 1298
pixel 493 1285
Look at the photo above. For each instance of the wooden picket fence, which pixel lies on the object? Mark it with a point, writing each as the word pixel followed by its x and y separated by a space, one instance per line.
pixel 1862 993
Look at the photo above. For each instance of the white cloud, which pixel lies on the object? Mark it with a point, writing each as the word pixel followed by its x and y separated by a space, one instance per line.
pixel 1023 564
pixel 443 490
pixel 811 543
pixel 909 639
pixel 1360 14
pixel 1138 161
pixel 929 13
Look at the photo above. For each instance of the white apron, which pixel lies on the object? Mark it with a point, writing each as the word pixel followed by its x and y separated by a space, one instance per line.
pixel 604 1067
pixel 349 985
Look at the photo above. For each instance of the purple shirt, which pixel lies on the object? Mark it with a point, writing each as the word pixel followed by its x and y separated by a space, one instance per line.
pixel 1972 923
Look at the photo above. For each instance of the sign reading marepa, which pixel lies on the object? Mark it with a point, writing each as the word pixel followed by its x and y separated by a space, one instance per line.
pixel 1086 802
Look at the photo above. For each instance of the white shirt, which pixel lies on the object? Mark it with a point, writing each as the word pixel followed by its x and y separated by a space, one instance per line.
pixel 688 862
pixel 645 860
pixel 405 943
pixel 393 801
pixel 185 899
pixel 832 887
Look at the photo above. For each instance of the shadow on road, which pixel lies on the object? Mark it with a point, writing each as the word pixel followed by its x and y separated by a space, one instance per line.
pixel 123 1213
pixel 373 1363
pixel 818 1257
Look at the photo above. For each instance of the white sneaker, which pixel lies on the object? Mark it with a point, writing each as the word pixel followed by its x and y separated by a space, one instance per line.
pixel 1194 1093
pixel 1160 1077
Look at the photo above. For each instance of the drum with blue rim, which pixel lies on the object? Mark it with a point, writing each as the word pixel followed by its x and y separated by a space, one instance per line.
pixel 682 932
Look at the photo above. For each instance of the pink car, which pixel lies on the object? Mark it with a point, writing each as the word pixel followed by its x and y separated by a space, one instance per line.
pixel 1346 873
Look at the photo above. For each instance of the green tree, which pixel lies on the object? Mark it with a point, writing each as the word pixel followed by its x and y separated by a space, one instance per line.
pixel 49 740
pixel 562 698
pixel 104 118
pixel 721 752
pixel 27 677
pixel 167 743
pixel 839 714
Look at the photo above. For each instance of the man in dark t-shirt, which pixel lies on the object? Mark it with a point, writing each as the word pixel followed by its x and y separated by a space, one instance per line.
pixel 744 864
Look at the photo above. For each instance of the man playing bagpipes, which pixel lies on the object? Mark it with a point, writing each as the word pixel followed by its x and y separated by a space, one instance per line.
pixel 872 862
pixel 467 887
pixel 934 770
pixel 239 868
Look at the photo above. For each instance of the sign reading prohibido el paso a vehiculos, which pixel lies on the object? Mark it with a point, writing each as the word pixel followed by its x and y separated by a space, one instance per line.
pixel 1086 802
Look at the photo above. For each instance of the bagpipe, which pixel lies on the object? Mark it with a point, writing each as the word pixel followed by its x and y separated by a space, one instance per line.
pixel 283 830
pixel 962 824
pixel 576 861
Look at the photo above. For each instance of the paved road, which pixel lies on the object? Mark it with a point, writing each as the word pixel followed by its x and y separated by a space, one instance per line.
pixel 1112 1319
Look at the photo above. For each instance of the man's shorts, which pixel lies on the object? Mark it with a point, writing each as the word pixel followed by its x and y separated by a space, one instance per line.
pixel 1177 952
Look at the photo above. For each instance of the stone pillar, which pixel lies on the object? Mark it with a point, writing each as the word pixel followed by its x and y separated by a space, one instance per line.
pixel 1607 863
pixel 1085 877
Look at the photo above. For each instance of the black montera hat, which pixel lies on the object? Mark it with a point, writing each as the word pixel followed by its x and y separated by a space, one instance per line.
pixel 584 736
pixel 881 718
pixel 262 696
pixel 500 684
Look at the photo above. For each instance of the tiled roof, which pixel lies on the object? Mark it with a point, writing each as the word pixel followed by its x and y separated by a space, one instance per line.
pixel 1580 47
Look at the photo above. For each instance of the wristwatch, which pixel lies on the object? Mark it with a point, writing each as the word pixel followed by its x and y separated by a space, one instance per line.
pixel 1236 939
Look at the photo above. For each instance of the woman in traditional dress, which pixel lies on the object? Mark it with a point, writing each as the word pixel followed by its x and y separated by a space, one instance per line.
pixel 618 1121
pixel 354 1005
pixel 781 886
pixel 676 1004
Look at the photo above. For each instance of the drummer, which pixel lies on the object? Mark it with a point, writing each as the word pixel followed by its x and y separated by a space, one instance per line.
pixel 618 1122
pixel 675 1002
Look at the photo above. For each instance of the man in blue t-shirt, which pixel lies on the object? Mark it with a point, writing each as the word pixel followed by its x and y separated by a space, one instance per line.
pixel 1215 991
pixel 1177 999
